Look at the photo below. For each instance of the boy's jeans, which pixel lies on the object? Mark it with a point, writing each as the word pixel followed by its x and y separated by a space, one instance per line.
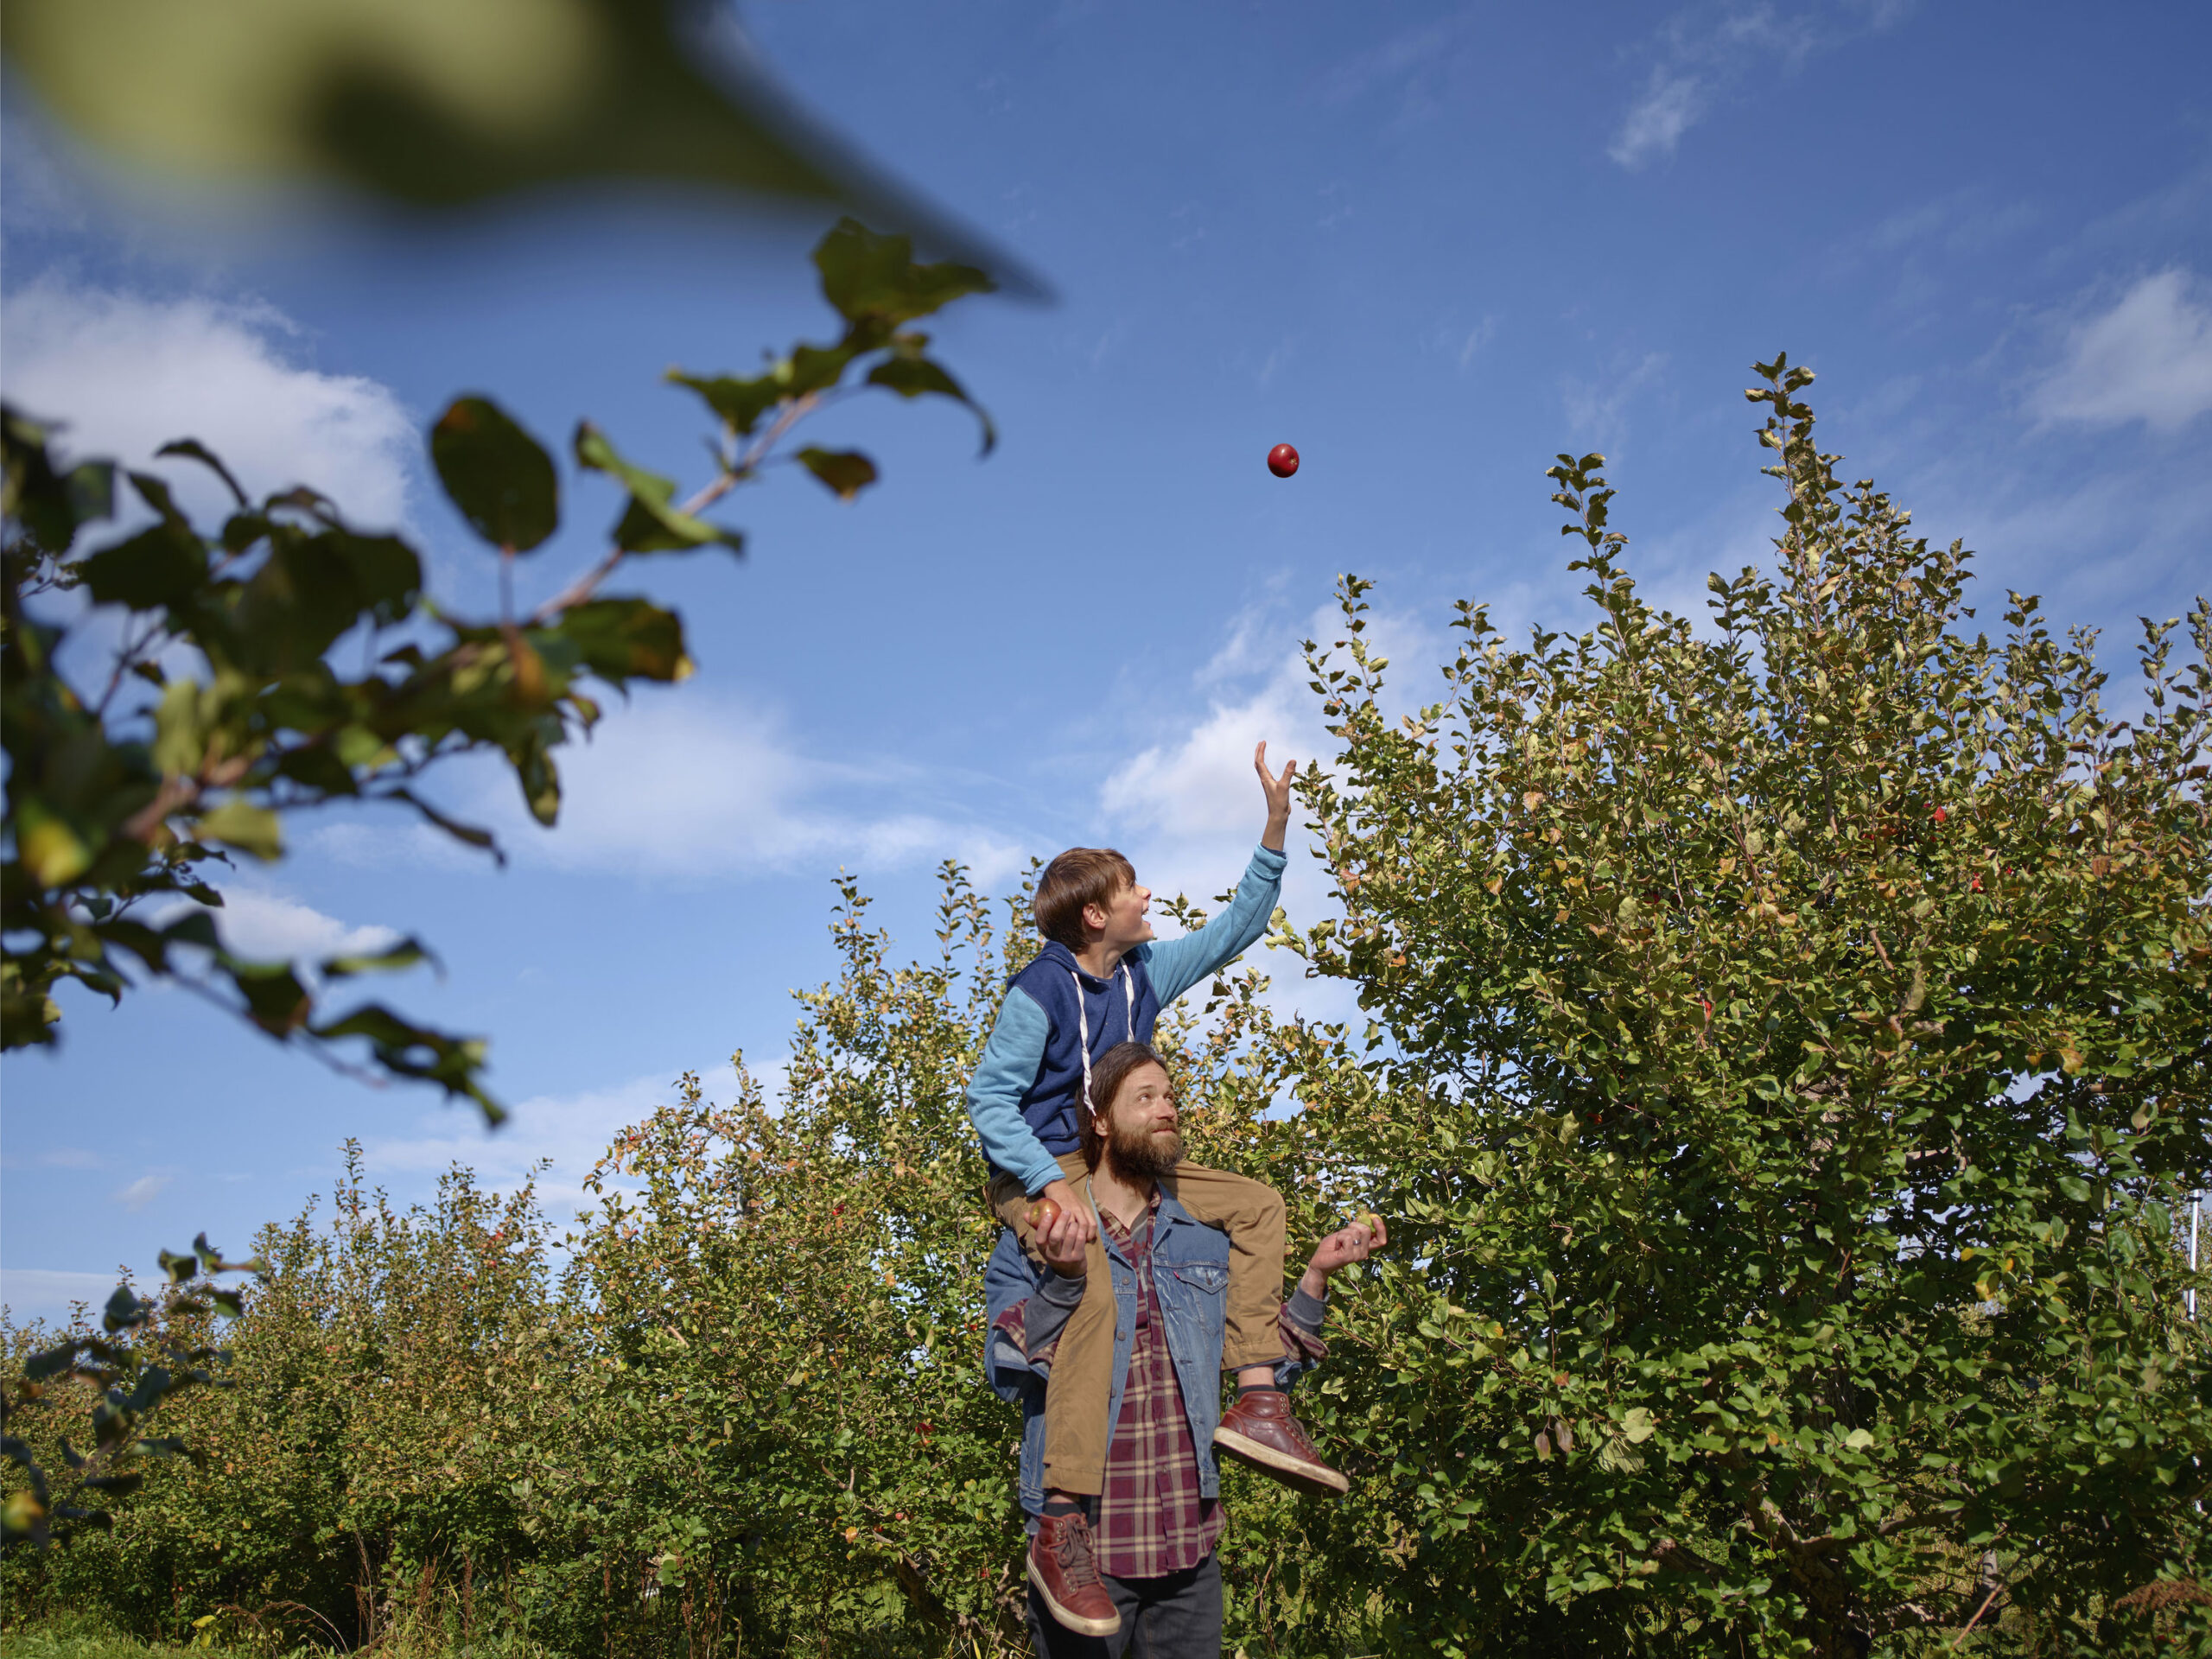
pixel 1251 1212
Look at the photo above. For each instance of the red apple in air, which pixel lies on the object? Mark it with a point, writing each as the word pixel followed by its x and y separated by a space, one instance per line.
pixel 1282 461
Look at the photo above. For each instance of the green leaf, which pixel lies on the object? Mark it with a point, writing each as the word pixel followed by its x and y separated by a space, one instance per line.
pixel 275 999
pixel 918 377
pixel 192 449
pixel 621 640
pixel 51 506
pixel 239 824
pixel 650 523
pixel 405 954
pixel 846 472
pixel 739 403
pixel 873 280
pixel 500 476
pixel 159 568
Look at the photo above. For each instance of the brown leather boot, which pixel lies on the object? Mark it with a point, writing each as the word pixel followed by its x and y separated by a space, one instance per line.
pixel 1260 1430
pixel 1063 1565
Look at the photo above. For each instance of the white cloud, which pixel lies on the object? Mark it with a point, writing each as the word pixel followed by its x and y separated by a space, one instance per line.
pixel 258 923
pixel 69 1158
pixel 691 785
pixel 2148 359
pixel 127 373
pixel 1670 104
pixel 144 1191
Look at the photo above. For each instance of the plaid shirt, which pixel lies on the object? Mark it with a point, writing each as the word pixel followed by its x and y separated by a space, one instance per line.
pixel 1151 1519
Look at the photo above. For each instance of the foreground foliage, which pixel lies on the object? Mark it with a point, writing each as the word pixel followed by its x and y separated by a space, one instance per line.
pixel 1787 1053
pixel 221 703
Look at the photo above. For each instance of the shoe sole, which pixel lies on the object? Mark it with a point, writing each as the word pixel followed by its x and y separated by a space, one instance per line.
pixel 1067 1619
pixel 1312 1476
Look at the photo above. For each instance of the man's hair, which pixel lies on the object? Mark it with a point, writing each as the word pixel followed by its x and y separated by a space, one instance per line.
pixel 1107 1077
pixel 1080 876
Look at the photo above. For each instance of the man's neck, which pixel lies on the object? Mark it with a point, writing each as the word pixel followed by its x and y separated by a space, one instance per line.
pixel 1100 960
pixel 1126 1200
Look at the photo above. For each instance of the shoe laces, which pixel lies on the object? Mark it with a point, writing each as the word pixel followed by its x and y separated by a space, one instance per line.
pixel 1078 1560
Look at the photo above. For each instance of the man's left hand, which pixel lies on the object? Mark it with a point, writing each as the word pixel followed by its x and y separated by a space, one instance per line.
pixel 1341 1248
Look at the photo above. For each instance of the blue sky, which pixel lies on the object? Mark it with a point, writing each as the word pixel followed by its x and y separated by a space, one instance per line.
pixel 1429 246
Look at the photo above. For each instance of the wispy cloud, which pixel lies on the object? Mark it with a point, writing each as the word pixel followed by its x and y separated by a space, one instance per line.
pixel 1702 54
pixel 1595 408
pixel 2147 358
pixel 1670 104
pixel 144 1191
pixel 127 373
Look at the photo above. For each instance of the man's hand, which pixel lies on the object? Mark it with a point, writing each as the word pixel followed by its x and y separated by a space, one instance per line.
pixel 1063 1241
pixel 1278 793
pixel 1340 1249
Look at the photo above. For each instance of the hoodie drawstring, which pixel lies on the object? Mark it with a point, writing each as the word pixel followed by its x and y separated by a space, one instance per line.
pixel 1082 1021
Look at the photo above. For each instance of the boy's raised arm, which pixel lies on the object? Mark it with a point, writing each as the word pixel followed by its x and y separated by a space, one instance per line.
pixel 1011 1057
pixel 1178 965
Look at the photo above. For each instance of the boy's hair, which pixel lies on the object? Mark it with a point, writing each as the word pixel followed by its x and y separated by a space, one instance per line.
pixel 1080 876
pixel 1106 1080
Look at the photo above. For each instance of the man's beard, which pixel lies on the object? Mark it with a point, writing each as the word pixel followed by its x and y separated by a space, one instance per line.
pixel 1141 1155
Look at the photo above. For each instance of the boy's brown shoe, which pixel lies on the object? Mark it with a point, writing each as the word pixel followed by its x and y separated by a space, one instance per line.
pixel 1260 1430
pixel 1063 1565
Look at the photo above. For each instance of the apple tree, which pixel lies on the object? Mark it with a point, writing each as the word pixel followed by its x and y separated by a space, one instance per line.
pixel 1790 1057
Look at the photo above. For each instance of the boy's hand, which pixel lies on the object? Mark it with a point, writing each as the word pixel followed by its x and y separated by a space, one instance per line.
pixel 1278 793
pixel 1341 1248
pixel 1072 1207
pixel 1060 1241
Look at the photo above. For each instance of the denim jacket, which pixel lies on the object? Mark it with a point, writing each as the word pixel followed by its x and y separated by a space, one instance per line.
pixel 1190 1278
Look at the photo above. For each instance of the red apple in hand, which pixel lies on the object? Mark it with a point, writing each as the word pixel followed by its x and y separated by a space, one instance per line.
pixel 1282 461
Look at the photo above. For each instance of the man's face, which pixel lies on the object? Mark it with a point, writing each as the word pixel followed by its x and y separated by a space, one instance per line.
pixel 1122 921
pixel 1141 1136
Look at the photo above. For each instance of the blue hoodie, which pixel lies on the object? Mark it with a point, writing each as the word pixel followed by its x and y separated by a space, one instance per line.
pixel 1024 1097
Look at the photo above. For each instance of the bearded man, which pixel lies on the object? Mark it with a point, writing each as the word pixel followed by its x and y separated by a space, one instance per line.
pixel 1132 1569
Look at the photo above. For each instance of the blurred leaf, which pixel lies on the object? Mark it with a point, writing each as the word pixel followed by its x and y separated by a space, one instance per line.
pixel 846 472
pixel 621 640
pixel 650 523
pixel 872 277
pixel 250 829
pixel 192 449
pixel 431 103
pixel 405 954
pixel 500 476
pixel 918 377
pixel 157 567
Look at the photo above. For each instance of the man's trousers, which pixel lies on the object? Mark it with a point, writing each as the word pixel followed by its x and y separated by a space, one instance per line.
pixel 1177 1616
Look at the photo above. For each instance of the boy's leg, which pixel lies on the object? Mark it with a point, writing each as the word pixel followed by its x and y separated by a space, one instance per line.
pixel 1259 1429
pixel 1251 1213
pixel 1083 1363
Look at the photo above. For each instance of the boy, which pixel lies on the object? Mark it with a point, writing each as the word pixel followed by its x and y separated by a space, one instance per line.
pixel 1100 981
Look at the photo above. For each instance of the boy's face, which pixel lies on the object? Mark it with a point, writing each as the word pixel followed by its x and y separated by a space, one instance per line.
pixel 1122 921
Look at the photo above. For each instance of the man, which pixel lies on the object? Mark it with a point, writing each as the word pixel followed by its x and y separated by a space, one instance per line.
pixel 1144 1572
pixel 1102 980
